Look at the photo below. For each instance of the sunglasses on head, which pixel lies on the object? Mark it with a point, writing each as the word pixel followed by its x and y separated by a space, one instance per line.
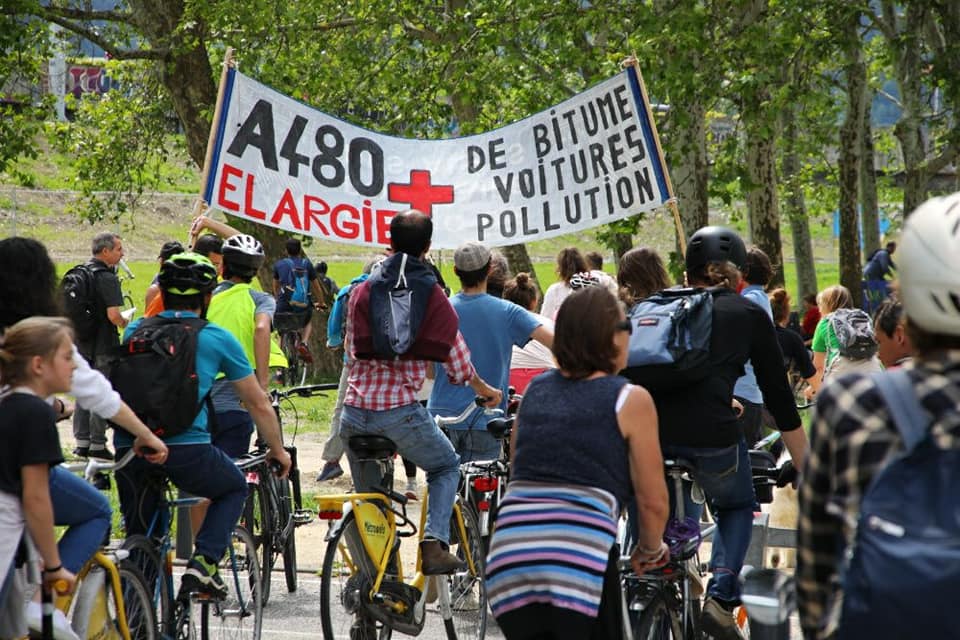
pixel 624 325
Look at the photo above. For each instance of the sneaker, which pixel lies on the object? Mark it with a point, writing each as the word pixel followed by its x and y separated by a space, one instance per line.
pixel 412 491
pixel 61 626
pixel 304 352
pixel 717 621
pixel 100 453
pixel 331 470
pixel 82 452
pixel 201 577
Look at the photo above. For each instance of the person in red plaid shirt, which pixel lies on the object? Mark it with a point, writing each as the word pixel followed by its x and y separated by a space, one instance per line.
pixel 386 373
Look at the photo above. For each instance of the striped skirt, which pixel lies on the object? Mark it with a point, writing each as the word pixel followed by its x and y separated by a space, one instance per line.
pixel 551 546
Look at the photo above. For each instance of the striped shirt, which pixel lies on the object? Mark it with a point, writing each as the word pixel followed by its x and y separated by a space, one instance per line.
pixel 551 546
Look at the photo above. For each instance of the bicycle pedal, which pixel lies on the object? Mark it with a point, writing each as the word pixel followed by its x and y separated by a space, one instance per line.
pixel 302 517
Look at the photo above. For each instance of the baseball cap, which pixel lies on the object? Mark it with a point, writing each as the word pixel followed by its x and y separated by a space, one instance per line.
pixel 471 256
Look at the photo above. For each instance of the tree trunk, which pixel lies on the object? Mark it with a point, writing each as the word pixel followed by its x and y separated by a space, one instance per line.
pixel 687 156
pixel 519 260
pixel 849 164
pixel 622 242
pixel 763 210
pixel 162 22
pixel 869 209
pixel 909 67
pixel 796 212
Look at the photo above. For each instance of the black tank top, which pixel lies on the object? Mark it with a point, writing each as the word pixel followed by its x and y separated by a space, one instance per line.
pixel 568 434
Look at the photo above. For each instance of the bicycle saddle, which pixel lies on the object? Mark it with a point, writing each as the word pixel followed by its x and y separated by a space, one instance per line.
pixel 372 447
pixel 678 465
pixel 500 428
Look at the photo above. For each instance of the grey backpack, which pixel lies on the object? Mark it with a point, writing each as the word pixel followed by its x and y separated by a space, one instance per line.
pixel 854 331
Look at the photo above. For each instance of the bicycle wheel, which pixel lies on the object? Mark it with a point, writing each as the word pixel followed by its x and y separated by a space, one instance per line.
pixel 346 581
pixel 240 614
pixel 143 555
pixel 468 594
pixel 296 371
pixel 258 521
pixel 660 619
pixel 285 512
pixel 137 604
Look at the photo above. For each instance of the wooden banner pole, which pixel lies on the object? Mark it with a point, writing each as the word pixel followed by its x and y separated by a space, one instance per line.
pixel 672 201
pixel 200 207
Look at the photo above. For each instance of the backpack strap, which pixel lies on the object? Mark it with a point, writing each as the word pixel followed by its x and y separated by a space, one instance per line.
pixel 909 416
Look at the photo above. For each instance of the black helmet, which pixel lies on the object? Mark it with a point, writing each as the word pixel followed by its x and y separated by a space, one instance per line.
pixel 715 244
pixel 187 274
pixel 243 254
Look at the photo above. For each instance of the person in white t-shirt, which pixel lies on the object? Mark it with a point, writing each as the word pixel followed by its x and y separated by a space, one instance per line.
pixel 569 262
pixel 534 358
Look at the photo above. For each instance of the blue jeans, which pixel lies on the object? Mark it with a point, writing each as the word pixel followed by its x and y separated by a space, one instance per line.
pixel 85 511
pixel 726 479
pixel 199 469
pixel 471 439
pixel 418 440
pixel 233 433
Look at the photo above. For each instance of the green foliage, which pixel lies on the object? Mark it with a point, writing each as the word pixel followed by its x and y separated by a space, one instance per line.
pixel 118 141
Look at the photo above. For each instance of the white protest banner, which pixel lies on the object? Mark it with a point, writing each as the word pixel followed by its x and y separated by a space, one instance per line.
pixel 587 161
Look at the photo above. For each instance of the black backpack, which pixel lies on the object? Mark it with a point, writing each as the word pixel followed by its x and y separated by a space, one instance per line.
pixel 81 302
pixel 155 372
pixel 670 344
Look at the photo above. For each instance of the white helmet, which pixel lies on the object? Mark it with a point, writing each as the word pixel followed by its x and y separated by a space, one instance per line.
pixel 929 265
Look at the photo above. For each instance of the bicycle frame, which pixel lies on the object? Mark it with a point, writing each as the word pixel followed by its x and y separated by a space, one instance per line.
pixel 103 560
pixel 382 545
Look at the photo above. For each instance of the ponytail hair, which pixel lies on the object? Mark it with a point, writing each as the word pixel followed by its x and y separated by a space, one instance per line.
pixel 779 304
pixel 521 290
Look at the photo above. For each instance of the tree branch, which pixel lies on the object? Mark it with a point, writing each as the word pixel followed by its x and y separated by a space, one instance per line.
pixel 73 13
pixel 890 97
pixel 110 47
pixel 948 155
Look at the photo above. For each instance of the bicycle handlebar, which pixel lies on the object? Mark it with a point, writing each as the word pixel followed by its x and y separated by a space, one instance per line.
pixel 305 391
pixel 446 421
pixel 94 466
pixel 123 265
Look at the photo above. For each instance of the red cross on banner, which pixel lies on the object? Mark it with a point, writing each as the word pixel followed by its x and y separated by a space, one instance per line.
pixel 419 193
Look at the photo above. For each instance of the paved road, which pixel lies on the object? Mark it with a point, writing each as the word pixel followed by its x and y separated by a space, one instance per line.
pixel 297 615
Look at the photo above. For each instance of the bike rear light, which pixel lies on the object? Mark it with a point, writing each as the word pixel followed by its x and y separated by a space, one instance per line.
pixel 483 505
pixel 486 483
pixel 329 509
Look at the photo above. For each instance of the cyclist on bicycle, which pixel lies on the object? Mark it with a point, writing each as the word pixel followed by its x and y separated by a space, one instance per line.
pixel 28 288
pixel 382 384
pixel 490 327
pixel 284 273
pixel 193 463
pixel 699 422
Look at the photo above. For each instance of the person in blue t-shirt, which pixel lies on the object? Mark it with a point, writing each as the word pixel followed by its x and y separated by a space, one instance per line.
pixel 193 463
pixel 491 327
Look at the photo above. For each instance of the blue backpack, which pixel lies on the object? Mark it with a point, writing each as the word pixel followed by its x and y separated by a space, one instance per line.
pixel 299 287
pixel 670 344
pixel 903 574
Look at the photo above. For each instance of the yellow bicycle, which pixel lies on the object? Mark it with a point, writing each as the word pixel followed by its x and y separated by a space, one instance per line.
pixel 111 599
pixel 364 594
